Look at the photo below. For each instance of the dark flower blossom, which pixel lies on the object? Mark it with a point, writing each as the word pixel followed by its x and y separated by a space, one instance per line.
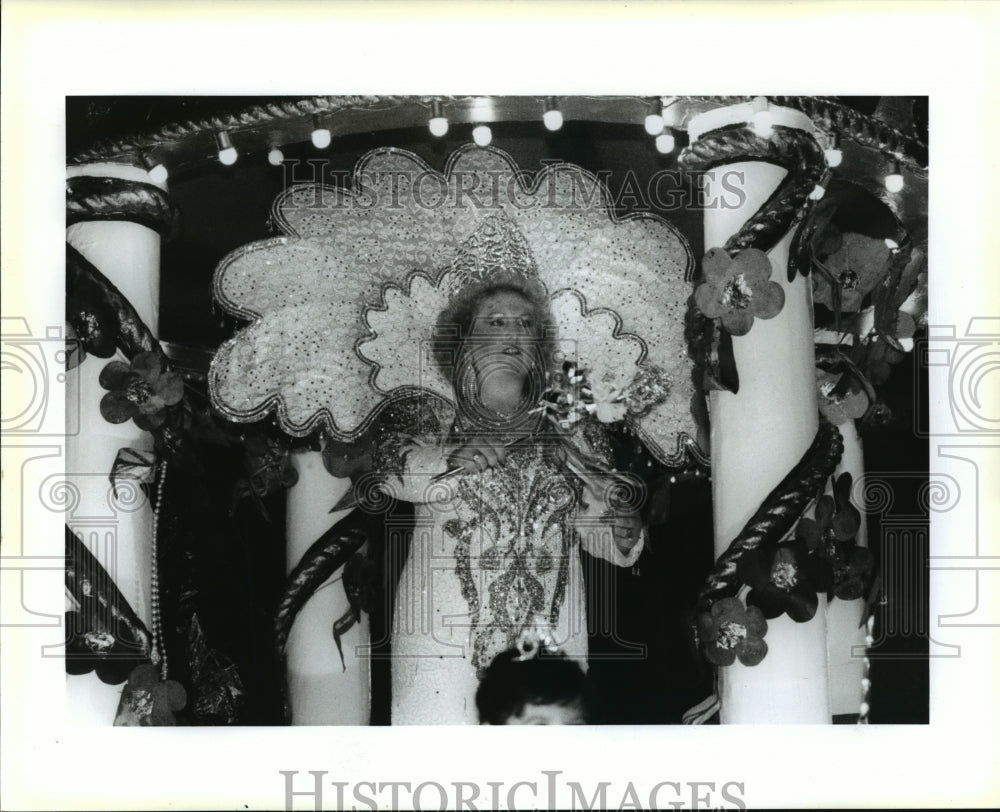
pixel 831 537
pixel 148 701
pixel 784 579
pixel 851 272
pixel 732 630
pixel 738 289
pixel 140 391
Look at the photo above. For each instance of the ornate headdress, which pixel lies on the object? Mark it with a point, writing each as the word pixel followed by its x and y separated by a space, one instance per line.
pixel 344 306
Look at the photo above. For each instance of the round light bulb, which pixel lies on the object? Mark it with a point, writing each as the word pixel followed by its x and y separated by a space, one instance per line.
pixel 482 135
pixel 275 157
pixel 158 174
pixel 894 182
pixel 763 123
pixel 891 244
pixel 665 143
pixel 654 124
pixel 321 138
pixel 817 192
pixel 553 119
pixel 834 157
pixel 438 126
pixel 228 155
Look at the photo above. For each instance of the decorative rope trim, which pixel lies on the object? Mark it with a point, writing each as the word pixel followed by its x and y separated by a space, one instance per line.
pixel 866 683
pixel 95 198
pixel 130 147
pixel 778 513
pixel 132 336
pixel 836 117
pixel 788 147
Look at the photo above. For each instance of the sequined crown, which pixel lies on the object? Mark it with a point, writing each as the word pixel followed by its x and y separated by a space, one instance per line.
pixel 496 251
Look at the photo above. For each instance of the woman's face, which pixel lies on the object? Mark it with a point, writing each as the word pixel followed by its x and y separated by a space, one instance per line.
pixel 503 339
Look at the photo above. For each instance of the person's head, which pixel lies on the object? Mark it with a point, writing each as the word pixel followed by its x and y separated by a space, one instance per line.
pixel 498 333
pixel 543 690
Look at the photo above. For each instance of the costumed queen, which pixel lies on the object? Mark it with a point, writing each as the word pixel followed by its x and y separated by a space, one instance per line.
pixel 495 361
pixel 503 499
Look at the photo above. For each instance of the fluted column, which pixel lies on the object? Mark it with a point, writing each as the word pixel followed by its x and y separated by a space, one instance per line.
pixel 116 528
pixel 322 690
pixel 760 433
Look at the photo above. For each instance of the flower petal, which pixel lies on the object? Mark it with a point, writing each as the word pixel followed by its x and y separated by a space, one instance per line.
pixel 146 364
pixel 801 604
pixel 768 300
pixel 708 298
pixel 114 375
pixel 116 408
pixel 720 656
pixel 755 622
pixel 771 601
pixel 755 266
pixel 754 567
pixel 751 651
pixel 738 322
pixel 727 609
pixel 807 532
pixel 824 511
pixel 717 266
pixel 707 629
pixel 150 422
pixel 171 388
pixel 846 523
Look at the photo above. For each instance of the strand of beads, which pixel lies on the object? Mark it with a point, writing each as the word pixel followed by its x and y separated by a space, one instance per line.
pixel 159 653
pixel 866 683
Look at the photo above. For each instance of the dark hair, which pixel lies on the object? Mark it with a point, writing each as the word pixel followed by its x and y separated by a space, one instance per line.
pixel 455 322
pixel 509 684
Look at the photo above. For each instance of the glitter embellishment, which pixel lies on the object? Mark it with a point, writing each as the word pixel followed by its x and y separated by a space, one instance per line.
pixel 730 634
pixel 737 293
pixel 784 575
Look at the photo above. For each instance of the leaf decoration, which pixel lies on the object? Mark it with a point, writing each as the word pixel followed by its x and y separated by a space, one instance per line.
pixel 323 558
pixel 215 680
pixel 130 463
pixel 105 634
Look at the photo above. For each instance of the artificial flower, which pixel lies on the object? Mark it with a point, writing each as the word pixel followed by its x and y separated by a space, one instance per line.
pixel 269 465
pixel 608 402
pixel 784 579
pixel 836 406
pixel 738 289
pixel 851 272
pixel 141 391
pixel 732 630
pixel 148 701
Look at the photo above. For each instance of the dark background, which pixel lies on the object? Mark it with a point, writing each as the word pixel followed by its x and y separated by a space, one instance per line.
pixel 236 559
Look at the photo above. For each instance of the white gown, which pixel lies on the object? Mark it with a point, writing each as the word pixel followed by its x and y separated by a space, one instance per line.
pixel 492 555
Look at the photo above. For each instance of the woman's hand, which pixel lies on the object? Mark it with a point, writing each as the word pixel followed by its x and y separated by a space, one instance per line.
pixel 626 526
pixel 478 454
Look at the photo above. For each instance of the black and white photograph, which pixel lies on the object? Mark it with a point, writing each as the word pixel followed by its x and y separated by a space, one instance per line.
pixel 344 428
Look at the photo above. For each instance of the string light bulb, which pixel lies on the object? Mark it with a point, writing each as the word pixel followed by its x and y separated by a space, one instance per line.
pixel 891 244
pixel 227 152
pixel 762 120
pixel 157 171
pixel 654 118
pixel 834 157
pixel 552 118
pixel 817 193
pixel 894 180
pixel 438 123
pixel 482 135
pixel 665 142
pixel 275 157
pixel 321 136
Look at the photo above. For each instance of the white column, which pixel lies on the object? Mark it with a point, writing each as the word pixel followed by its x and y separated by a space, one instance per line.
pixel 117 530
pixel 845 631
pixel 758 435
pixel 321 690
